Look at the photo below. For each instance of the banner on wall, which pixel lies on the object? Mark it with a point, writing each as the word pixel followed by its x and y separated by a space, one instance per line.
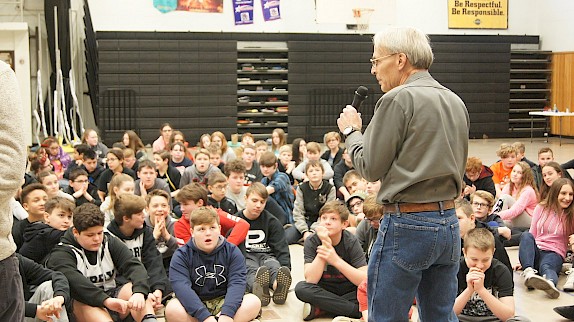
pixel 270 9
pixel 200 5
pixel 478 14
pixel 243 12
pixel 165 6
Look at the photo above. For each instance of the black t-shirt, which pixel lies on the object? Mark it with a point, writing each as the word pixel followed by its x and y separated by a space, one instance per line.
pixel 107 176
pixel 349 250
pixel 497 280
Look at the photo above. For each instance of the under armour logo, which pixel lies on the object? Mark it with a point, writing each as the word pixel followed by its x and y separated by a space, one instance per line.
pixel 217 274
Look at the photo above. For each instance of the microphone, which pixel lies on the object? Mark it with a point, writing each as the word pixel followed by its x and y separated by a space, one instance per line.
pixel 360 96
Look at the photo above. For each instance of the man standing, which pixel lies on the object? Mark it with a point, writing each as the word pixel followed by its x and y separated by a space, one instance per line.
pixel 12 161
pixel 417 144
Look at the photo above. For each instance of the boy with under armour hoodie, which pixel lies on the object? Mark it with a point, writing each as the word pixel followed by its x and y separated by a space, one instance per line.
pixel 129 227
pixel 208 275
pixel 90 259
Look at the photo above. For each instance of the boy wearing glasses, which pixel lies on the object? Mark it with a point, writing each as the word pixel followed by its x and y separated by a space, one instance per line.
pixel 217 186
pixel 482 202
pixel 81 189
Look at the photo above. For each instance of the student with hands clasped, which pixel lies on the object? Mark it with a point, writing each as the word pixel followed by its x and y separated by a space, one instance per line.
pixel 485 287
pixel 334 266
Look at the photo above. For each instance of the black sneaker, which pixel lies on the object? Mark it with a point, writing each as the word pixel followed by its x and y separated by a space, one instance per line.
pixel 565 311
pixel 311 312
pixel 261 285
pixel 283 283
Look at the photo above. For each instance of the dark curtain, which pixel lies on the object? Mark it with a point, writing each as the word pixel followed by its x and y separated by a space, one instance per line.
pixel 64 46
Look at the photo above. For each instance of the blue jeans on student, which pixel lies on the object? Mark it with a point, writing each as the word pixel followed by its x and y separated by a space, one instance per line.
pixel 545 262
pixel 415 254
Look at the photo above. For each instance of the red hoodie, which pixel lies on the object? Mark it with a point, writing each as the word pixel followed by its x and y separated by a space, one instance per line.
pixel 182 228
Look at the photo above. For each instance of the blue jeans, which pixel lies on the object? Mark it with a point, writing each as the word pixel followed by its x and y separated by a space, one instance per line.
pixel 545 262
pixel 415 254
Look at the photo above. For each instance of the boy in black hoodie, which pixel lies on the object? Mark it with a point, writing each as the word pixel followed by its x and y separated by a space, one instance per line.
pixel 51 292
pixel 129 227
pixel 90 261
pixel 41 237
pixel 217 186
pixel 265 248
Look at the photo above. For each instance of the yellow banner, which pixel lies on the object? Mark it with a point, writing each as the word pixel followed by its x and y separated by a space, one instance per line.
pixel 478 14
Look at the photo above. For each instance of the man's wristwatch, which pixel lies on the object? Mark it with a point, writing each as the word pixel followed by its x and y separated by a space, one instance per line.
pixel 348 130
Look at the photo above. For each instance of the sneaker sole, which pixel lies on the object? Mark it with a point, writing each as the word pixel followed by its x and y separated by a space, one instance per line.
pixel 569 288
pixel 261 285
pixel 540 283
pixel 284 280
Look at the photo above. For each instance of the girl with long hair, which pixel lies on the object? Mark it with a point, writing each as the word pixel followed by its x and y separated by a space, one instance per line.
pixel 519 197
pixel 543 248
pixel 550 172
pixel 132 140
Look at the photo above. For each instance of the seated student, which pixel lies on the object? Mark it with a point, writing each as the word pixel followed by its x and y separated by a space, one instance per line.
pixel 477 177
pixel 90 259
pixel 467 221
pixel 277 184
pixel 340 170
pixel 313 153
pixel 81 189
pixel 179 159
pixel 59 159
pixel 52 184
pixel 79 151
pixel 309 199
pixel 162 224
pixel 178 136
pixel 41 237
pixel 166 172
pixel 372 188
pixel 129 227
pixel 148 179
pixel 521 153
pixel 33 198
pixel 121 183
pixel 355 205
pixel 550 172
pixel 265 249
pixel 215 157
pixel 501 170
pixel 236 188
pixel 485 286
pixel 194 195
pixel 252 169
pixel 518 199
pixel 199 171
pixel 50 295
pixel 286 163
pixel 209 277
pixel 130 160
pixel 368 228
pixel 217 185
pixel 234 170
pixel 334 266
pixel 131 140
pixel 260 148
pixel 92 167
pixel 482 203
pixel 354 182
pixel 115 159
pixel 247 139
pixel 91 138
pixel 334 153
pixel 543 248
pixel 218 139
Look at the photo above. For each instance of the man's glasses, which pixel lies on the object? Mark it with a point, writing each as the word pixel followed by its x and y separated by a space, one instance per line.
pixel 375 60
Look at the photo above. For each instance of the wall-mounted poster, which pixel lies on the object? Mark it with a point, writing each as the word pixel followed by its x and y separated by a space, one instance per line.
pixel 8 58
pixel 243 12
pixel 200 5
pixel 478 14
pixel 270 10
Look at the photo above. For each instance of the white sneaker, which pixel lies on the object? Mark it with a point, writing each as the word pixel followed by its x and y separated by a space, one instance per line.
pixel 541 283
pixel 569 285
pixel 528 274
pixel 345 319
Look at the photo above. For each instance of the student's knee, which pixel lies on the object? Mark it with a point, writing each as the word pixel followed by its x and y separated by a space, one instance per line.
pixel 125 292
pixel 174 311
pixel 303 291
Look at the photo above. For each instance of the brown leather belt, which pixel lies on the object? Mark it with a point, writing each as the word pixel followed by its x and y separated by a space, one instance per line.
pixel 418 207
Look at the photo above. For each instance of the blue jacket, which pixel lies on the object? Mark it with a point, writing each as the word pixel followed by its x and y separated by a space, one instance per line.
pixel 283 191
pixel 197 276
